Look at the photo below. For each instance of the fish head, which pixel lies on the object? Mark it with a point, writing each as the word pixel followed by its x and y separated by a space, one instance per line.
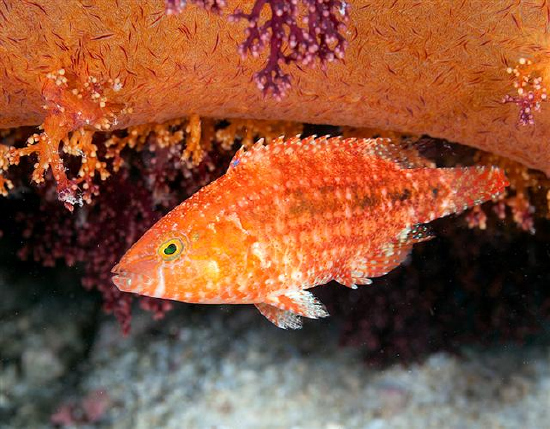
pixel 186 260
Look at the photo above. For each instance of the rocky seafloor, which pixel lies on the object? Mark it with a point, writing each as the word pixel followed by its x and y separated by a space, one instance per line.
pixel 63 363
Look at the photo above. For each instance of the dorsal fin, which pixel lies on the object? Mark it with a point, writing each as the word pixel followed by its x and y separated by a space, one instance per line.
pixel 402 155
pixel 242 154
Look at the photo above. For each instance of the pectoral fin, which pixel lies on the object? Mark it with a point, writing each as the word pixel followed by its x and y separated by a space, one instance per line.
pixel 281 318
pixel 285 310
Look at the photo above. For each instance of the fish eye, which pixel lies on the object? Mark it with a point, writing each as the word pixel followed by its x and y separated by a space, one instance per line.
pixel 170 249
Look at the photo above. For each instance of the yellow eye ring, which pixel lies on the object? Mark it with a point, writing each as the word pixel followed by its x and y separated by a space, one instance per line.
pixel 170 249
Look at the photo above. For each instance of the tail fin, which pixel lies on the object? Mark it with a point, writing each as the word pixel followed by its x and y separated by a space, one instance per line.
pixel 453 190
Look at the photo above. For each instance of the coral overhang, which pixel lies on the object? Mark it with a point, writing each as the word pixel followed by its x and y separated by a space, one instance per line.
pixel 436 68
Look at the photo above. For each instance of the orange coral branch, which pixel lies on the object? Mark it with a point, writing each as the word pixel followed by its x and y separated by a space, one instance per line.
pixel 525 187
pixel 74 106
pixel 80 144
pixel 195 147
pixel 5 184
pixel 164 135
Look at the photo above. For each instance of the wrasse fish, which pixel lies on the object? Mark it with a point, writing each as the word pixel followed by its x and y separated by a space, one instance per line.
pixel 296 214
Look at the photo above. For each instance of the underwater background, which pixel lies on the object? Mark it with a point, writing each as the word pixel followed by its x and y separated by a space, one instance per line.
pixel 112 113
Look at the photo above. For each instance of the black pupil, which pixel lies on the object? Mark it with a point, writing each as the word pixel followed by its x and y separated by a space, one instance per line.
pixel 170 249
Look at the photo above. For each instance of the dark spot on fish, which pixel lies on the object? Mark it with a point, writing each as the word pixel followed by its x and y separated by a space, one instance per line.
pixel 435 192
pixel 327 189
pixel 400 196
pixel 405 195
pixel 366 201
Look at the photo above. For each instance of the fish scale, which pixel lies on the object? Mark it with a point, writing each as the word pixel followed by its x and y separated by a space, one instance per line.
pixel 295 214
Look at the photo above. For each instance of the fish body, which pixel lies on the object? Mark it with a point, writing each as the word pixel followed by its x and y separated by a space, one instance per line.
pixel 295 214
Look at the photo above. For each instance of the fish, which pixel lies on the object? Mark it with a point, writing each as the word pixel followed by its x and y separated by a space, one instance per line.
pixel 298 213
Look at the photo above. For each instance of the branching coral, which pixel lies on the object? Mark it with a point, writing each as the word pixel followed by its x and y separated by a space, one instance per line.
pixel 290 42
pixel 527 197
pixel 530 90
pixel 193 138
pixel 199 141
pixel 162 135
pixel 199 135
pixel 297 32
pixel 177 6
pixel 73 107
pixel 5 184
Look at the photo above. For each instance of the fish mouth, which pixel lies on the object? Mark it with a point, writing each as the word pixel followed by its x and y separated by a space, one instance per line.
pixel 128 281
pixel 123 281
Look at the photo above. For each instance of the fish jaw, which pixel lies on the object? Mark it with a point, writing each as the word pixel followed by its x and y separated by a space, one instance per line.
pixel 134 277
pixel 150 277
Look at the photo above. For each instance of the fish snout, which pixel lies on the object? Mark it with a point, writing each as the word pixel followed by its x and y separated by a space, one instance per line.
pixel 123 282
pixel 134 276
pixel 116 269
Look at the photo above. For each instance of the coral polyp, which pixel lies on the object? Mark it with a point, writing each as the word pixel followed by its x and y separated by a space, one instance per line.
pixel 530 90
pixel 76 108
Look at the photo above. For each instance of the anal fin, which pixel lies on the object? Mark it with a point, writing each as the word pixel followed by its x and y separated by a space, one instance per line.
pixel 389 257
pixel 361 270
pixel 415 234
pixel 354 279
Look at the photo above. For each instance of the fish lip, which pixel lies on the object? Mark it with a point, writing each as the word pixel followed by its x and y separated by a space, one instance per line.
pixel 116 269
pixel 128 280
pixel 133 274
pixel 121 277
pixel 123 274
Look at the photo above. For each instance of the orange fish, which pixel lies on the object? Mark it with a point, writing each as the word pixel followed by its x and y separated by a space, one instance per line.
pixel 296 214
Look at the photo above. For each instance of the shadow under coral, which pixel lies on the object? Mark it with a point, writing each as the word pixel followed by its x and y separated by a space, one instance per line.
pixel 464 287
